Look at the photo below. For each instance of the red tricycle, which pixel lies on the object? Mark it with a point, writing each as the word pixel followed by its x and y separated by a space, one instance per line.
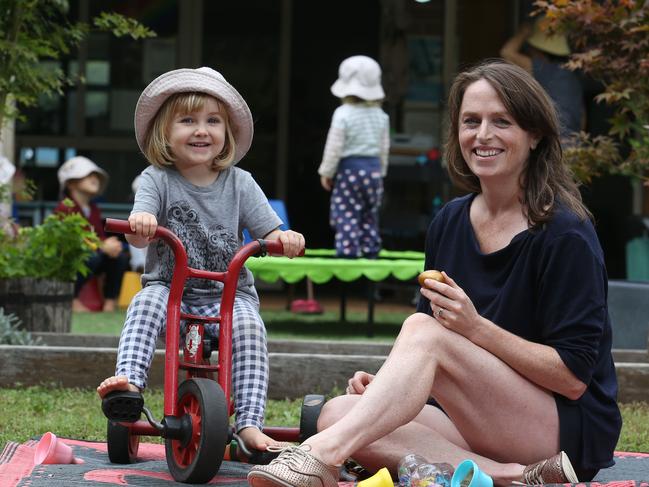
pixel 196 412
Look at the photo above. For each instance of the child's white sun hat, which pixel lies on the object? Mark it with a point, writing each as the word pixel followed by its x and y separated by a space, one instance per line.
pixel 79 167
pixel 201 80
pixel 359 76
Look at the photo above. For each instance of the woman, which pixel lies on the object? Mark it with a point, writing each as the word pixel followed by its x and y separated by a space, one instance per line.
pixel 515 344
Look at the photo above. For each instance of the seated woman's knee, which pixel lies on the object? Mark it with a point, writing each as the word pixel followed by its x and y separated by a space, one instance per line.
pixel 421 329
pixel 334 409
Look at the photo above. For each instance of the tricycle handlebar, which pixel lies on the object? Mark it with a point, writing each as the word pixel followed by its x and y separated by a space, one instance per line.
pixel 272 247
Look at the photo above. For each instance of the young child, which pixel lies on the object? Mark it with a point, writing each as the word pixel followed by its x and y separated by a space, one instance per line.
pixel 193 126
pixel 355 158
pixel 82 180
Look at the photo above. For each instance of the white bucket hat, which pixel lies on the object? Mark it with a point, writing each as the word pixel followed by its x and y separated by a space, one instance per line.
pixel 359 76
pixel 201 80
pixel 78 168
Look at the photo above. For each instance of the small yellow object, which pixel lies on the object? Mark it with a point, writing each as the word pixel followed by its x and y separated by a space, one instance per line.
pixel 432 274
pixel 381 478
pixel 90 243
pixel 130 286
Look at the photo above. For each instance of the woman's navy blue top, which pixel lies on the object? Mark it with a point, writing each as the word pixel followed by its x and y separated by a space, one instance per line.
pixel 548 286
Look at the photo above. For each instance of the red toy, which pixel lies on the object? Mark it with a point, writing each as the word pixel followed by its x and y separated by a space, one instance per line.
pixel 196 412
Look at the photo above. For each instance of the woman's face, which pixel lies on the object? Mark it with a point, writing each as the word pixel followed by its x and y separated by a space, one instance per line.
pixel 492 143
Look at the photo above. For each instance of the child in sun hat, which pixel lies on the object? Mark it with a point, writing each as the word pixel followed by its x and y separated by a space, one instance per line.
pixel 193 127
pixel 81 180
pixel 355 159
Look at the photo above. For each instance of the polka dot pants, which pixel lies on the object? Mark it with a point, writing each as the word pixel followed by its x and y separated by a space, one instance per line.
pixel 354 210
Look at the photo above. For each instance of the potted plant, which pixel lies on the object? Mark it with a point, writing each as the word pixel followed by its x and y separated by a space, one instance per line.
pixel 611 44
pixel 38 267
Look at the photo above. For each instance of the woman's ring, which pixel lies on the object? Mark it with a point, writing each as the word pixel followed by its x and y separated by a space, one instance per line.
pixel 439 312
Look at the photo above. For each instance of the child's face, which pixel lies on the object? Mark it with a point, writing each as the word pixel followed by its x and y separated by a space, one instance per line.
pixel 89 185
pixel 197 138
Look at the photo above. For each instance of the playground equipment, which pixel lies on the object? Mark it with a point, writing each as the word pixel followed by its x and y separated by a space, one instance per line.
pixel 196 411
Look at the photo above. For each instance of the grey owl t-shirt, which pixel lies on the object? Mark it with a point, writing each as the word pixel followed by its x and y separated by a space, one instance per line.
pixel 209 220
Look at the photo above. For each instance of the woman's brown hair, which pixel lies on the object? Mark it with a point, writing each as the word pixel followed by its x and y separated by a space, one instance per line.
pixel 546 179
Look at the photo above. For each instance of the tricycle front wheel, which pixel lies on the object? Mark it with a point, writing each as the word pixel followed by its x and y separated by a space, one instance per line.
pixel 198 459
pixel 122 444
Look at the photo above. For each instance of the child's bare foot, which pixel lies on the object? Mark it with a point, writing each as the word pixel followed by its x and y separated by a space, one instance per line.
pixel 116 383
pixel 109 305
pixel 78 306
pixel 254 438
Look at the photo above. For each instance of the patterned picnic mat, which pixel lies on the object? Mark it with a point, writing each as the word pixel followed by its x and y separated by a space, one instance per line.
pixel 17 469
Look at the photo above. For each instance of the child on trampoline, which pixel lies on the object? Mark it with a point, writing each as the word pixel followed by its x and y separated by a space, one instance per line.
pixel 355 158
pixel 193 127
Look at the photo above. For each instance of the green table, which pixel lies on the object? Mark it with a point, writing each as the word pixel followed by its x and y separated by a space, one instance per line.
pixel 321 265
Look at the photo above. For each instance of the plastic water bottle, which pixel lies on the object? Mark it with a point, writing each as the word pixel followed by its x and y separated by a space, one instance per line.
pixel 415 471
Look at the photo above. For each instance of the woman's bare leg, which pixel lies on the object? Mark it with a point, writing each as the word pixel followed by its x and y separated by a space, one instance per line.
pixel 431 434
pixel 497 413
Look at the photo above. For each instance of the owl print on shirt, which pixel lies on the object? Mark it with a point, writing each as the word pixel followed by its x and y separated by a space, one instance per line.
pixel 208 247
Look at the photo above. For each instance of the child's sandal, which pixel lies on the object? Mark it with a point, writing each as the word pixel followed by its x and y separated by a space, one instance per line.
pixel 123 406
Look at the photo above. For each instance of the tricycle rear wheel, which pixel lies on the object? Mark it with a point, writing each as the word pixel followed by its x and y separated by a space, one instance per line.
pixel 198 459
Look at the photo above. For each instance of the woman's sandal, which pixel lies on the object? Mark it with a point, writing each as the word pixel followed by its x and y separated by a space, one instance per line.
pixel 294 467
pixel 554 470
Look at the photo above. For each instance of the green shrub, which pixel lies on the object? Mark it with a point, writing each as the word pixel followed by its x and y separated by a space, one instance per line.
pixel 11 332
pixel 56 249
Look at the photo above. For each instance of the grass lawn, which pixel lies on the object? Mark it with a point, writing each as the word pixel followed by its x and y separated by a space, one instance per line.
pixel 75 413
pixel 71 413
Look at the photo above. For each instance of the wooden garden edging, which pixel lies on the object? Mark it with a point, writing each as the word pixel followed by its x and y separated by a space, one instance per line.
pixel 292 375
pixel 297 367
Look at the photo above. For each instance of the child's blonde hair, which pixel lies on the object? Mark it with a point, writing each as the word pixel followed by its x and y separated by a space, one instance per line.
pixel 156 141
pixel 356 100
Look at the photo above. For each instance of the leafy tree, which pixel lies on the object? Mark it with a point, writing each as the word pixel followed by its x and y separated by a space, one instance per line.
pixel 35 30
pixel 611 44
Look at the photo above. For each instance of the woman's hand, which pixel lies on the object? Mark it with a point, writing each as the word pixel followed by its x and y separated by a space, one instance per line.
pixel 144 225
pixel 451 306
pixel 358 383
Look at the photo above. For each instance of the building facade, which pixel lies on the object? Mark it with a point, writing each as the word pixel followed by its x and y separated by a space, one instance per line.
pixel 282 56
